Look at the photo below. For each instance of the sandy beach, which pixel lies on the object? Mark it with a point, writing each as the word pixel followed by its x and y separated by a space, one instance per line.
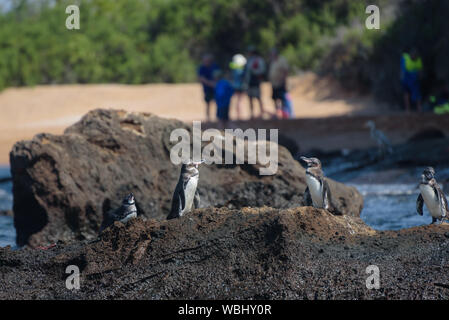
pixel 32 110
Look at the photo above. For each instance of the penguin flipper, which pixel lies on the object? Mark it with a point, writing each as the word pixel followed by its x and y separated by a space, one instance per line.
pixel 419 204
pixel 178 204
pixel 118 214
pixel 307 198
pixel 175 209
pixel 443 203
pixel 182 197
pixel 107 221
pixel 196 200
pixel 326 195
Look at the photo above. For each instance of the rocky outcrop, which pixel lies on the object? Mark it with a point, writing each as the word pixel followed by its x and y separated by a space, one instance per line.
pixel 63 185
pixel 251 253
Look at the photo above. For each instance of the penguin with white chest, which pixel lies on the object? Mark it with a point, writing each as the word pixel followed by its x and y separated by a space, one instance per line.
pixel 123 214
pixel 317 193
pixel 186 194
pixel 432 195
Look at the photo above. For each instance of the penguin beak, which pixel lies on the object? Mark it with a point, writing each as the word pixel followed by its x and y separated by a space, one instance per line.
pixel 196 164
pixel 305 159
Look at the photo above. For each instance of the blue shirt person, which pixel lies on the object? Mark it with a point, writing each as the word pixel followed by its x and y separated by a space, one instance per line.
pixel 206 78
pixel 223 94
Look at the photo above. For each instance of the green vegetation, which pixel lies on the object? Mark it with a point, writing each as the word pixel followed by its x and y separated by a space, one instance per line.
pixel 140 41
pixel 370 60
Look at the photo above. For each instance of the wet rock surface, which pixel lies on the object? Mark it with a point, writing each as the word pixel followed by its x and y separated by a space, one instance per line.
pixel 63 185
pixel 263 253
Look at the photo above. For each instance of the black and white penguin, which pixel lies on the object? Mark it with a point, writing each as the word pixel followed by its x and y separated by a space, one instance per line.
pixel 123 214
pixel 186 193
pixel 432 195
pixel 317 192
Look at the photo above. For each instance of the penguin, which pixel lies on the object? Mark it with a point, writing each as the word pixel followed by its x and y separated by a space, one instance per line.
pixel 186 193
pixel 432 195
pixel 383 143
pixel 317 193
pixel 123 214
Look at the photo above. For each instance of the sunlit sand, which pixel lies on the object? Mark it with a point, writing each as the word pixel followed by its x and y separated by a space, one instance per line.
pixel 31 110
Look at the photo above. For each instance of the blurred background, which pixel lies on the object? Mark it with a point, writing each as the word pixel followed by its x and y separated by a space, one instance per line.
pixel 336 65
pixel 162 41
pixel 144 55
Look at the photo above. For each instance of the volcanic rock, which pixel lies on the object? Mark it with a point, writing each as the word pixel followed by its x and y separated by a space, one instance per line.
pixel 250 253
pixel 64 184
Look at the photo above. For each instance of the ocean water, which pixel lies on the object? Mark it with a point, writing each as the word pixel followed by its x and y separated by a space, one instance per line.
pixel 7 231
pixel 391 206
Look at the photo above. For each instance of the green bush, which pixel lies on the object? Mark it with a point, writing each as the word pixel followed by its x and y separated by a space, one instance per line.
pixel 141 41
pixel 370 59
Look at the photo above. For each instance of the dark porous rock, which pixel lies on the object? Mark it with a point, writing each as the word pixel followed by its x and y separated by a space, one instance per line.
pixel 427 134
pixel 250 253
pixel 64 184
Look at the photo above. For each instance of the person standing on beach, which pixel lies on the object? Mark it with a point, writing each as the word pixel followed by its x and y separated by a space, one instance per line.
pixel 254 72
pixel 206 77
pixel 278 78
pixel 237 66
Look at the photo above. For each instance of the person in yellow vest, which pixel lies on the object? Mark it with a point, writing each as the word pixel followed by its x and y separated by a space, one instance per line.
pixel 441 108
pixel 411 68
pixel 441 102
